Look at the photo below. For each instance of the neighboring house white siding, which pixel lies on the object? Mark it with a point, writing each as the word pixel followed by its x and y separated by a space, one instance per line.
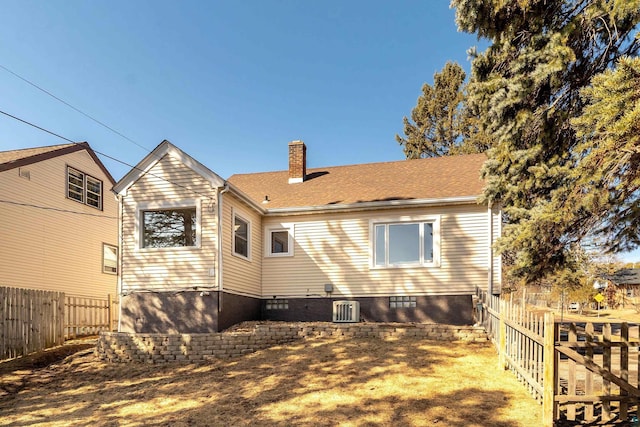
pixel 169 184
pixel 49 241
pixel 241 275
pixel 337 249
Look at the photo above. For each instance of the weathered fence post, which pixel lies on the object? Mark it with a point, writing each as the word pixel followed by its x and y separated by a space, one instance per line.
pixel 624 368
pixel 502 332
pixel 549 405
pixel 109 312
pixel 606 365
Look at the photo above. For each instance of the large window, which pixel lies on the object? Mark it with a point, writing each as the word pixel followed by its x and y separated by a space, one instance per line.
pixel 84 188
pixel 398 244
pixel 166 228
pixel 280 242
pixel 241 235
pixel 109 259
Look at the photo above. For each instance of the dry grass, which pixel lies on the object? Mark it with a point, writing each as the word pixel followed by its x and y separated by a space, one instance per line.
pixel 629 315
pixel 320 382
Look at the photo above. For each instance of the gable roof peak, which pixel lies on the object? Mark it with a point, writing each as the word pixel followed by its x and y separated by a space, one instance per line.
pixel 154 156
pixel 25 156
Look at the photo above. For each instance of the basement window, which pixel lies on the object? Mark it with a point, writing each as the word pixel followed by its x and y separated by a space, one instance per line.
pixel 402 302
pixel 277 304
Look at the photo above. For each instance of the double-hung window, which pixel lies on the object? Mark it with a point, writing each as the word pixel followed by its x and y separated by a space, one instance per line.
pixel 84 188
pixel 241 236
pixel 406 243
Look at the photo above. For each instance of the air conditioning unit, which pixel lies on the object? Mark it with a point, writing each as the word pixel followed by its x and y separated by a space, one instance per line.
pixel 346 311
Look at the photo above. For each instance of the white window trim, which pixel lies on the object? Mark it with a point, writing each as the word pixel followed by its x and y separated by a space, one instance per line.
pixel 167 204
pixel 267 239
pixel 237 213
pixel 405 219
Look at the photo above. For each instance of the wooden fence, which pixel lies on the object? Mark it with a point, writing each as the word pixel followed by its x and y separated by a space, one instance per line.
pixel 580 372
pixel 89 316
pixel 33 320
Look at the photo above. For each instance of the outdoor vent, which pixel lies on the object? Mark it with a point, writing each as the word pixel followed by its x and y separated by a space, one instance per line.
pixel 346 311
pixel 24 173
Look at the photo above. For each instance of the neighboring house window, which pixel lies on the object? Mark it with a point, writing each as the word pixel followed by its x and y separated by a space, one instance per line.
pixel 241 233
pixel 167 228
pixel 109 259
pixel 280 242
pixel 84 188
pixel 406 244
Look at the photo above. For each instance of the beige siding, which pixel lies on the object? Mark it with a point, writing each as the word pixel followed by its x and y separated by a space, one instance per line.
pixel 50 242
pixel 169 269
pixel 336 249
pixel 241 275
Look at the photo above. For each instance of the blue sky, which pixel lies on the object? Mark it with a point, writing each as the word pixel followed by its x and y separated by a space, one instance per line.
pixel 229 82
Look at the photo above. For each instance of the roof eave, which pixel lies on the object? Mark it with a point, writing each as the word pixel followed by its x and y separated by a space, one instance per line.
pixel 386 204
pixel 246 199
pixel 65 149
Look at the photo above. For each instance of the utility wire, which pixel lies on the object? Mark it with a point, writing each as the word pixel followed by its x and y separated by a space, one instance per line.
pixel 38 127
pixel 91 118
pixel 48 208
pixel 104 155
pixel 73 108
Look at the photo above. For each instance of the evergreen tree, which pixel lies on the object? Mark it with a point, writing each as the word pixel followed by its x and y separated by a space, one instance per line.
pixel 608 164
pixel 440 124
pixel 526 88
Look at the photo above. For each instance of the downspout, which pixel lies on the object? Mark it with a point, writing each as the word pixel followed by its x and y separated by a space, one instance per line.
pixel 120 246
pixel 490 240
pixel 219 275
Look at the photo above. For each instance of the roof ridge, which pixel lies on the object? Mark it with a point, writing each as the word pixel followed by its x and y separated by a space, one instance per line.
pixel 51 147
pixel 438 158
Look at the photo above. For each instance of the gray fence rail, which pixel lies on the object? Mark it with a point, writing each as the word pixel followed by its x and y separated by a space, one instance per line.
pixel 583 372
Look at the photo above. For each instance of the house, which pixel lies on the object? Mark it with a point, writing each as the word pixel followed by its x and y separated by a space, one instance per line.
pixel 407 240
pixel 59 228
pixel 626 280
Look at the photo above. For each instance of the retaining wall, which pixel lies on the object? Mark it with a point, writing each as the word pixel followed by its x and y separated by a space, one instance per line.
pixel 161 348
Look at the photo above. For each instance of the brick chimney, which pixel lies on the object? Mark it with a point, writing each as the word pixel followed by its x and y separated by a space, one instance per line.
pixel 297 162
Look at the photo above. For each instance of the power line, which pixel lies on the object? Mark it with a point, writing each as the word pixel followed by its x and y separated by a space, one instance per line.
pixel 91 118
pixel 38 127
pixel 73 108
pixel 48 208
pixel 104 155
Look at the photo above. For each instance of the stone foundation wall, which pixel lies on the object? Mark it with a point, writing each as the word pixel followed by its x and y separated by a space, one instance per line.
pixel 161 348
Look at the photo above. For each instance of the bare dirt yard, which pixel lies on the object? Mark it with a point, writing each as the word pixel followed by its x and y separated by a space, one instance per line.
pixel 316 382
